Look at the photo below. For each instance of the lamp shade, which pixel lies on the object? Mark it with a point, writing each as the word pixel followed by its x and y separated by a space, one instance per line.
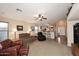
pixel 14 30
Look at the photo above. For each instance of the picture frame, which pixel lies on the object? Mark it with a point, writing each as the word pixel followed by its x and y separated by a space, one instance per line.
pixel 32 27
pixel 19 28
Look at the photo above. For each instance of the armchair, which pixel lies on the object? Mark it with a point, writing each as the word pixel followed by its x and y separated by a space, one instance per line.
pixel 75 49
pixel 41 37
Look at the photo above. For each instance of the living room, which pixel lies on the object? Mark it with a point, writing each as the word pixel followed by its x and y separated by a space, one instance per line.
pixel 25 20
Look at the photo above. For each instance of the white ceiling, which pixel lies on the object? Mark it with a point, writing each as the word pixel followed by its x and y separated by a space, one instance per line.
pixel 53 11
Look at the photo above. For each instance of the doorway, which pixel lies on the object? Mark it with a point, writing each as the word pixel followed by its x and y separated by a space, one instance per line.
pixel 4 30
pixel 76 33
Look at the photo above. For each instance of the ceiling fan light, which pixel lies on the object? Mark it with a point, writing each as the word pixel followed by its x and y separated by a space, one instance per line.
pixel 35 15
pixel 45 18
pixel 39 18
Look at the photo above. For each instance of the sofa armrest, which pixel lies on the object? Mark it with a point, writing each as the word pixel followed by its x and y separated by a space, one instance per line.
pixel 23 51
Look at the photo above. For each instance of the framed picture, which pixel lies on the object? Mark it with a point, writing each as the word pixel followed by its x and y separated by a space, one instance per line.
pixel 19 27
pixel 32 27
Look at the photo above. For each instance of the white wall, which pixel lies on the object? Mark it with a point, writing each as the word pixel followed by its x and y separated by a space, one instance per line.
pixel 70 37
pixel 13 24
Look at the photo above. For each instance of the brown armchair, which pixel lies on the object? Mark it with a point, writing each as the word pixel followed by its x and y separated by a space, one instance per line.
pixel 10 48
pixel 75 49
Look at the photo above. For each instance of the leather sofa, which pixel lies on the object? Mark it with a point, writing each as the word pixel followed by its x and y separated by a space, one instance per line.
pixel 13 48
pixel 27 38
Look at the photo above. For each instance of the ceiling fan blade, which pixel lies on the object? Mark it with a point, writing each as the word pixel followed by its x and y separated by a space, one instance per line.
pixel 44 18
pixel 40 19
pixel 36 18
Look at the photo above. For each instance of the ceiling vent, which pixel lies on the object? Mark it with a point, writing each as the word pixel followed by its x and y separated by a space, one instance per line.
pixel 18 10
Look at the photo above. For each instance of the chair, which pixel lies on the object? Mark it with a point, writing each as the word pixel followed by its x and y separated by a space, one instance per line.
pixel 75 49
pixel 41 37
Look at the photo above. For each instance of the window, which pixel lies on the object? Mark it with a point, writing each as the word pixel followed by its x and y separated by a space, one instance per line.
pixel 3 31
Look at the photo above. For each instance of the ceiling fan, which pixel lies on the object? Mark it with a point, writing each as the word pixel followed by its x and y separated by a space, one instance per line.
pixel 40 17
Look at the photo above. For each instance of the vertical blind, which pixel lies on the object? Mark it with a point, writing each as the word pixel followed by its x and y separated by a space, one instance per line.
pixel 3 31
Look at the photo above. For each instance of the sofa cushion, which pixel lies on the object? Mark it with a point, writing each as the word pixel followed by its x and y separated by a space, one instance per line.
pixel 7 43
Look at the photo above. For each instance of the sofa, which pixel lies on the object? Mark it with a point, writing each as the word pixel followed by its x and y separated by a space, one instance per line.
pixel 75 49
pixel 13 48
pixel 24 35
pixel 27 38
